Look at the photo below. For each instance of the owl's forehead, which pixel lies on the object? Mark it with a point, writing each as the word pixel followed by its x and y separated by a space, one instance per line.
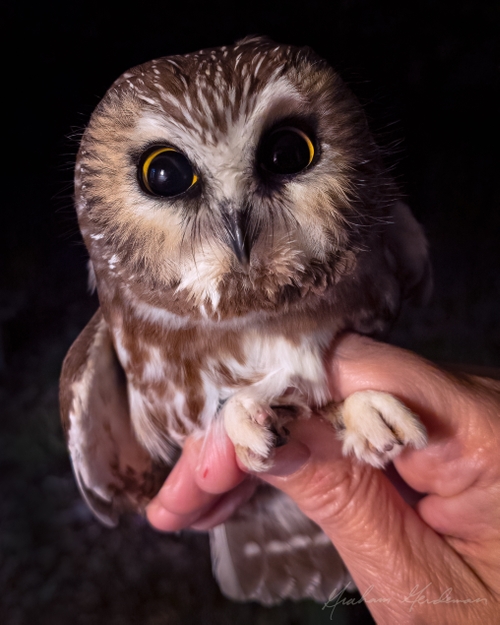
pixel 215 93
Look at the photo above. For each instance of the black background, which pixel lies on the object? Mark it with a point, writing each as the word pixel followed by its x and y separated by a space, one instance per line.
pixel 427 74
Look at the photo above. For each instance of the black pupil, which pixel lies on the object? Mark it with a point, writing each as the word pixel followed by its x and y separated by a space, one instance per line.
pixel 169 174
pixel 285 151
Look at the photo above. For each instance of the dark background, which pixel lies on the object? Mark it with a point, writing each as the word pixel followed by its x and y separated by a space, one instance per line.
pixel 427 74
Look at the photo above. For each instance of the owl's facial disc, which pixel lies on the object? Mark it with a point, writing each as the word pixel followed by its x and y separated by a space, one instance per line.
pixel 228 181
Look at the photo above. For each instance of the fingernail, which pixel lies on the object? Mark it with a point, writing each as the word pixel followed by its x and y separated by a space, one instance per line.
pixel 289 459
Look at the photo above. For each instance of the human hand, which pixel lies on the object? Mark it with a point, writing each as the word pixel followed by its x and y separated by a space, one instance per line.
pixel 439 562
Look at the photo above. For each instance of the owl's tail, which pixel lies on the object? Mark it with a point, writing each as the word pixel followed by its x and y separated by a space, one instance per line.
pixel 269 551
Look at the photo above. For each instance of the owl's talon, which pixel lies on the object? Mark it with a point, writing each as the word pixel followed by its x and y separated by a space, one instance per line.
pixel 265 418
pixel 252 461
pixel 280 437
pixel 256 430
pixel 248 425
pixel 375 427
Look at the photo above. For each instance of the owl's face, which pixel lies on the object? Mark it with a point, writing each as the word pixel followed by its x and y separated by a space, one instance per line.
pixel 227 181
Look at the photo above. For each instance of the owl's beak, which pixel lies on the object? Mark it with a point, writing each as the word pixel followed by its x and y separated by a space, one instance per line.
pixel 236 227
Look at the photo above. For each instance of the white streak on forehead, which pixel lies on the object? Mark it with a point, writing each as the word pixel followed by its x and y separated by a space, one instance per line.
pixel 230 159
pixel 137 87
pixel 172 62
pixel 168 97
pixel 188 101
pixel 257 67
pixel 238 58
pixel 155 127
pixel 141 96
pixel 163 122
pixel 232 95
pixel 151 127
pixel 204 105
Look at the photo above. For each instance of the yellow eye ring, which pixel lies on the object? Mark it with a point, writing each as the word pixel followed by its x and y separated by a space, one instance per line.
pixel 306 139
pixel 285 151
pixel 167 177
pixel 147 163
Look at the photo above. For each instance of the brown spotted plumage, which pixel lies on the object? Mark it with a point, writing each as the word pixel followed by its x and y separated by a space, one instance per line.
pixel 238 217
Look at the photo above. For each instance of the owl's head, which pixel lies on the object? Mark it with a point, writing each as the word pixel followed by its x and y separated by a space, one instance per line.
pixel 226 181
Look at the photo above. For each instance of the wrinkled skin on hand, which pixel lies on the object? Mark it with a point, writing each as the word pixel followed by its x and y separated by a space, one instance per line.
pixel 438 562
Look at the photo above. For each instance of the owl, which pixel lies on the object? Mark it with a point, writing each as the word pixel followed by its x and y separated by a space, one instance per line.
pixel 238 217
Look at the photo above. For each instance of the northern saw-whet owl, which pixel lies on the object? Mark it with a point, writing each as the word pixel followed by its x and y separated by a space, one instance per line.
pixel 238 218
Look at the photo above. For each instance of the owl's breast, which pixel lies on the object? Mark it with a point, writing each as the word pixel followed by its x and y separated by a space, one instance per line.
pixel 177 377
pixel 274 362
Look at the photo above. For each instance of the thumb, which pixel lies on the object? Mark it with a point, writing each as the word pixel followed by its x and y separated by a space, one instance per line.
pixel 371 526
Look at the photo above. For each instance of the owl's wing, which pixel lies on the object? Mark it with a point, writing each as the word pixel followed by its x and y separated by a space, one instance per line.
pixel 114 473
pixel 268 551
pixel 407 252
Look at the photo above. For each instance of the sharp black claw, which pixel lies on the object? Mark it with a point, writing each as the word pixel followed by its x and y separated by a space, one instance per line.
pixel 280 438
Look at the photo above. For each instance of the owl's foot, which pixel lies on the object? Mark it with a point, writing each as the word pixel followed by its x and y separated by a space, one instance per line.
pixel 375 427
pixel 256 430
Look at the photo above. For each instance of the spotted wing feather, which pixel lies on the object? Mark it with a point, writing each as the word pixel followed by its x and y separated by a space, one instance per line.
pixel 114 473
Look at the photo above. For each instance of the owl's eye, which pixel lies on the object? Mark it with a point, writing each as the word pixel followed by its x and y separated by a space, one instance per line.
pixel 286 151
pixel 166 172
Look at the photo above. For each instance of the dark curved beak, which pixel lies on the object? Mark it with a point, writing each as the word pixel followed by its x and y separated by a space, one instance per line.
pixel 236 226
